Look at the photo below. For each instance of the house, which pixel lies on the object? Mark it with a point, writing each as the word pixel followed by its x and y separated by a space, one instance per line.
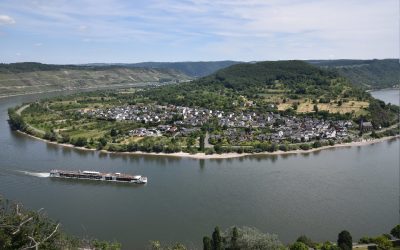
pixel 366 126
pixel 331 134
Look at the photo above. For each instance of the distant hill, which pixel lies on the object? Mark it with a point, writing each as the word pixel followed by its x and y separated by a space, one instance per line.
pixel 193 69
pixel 370 74
pixel 285 84
pixel 264 74
pixel 289 87
pixel 28 77
pixel 24 78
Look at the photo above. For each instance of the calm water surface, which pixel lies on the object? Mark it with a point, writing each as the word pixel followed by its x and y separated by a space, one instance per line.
pixel 316 194
pixel 388 95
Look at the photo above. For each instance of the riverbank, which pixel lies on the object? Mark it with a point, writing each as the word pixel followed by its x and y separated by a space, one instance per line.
pixel 200 156
pixel 382 89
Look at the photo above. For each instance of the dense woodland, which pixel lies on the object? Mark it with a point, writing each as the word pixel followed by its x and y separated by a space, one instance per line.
pixel 369 74
pixel 288 79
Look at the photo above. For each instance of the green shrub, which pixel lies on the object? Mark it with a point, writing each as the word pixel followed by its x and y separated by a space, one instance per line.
pixel 305 146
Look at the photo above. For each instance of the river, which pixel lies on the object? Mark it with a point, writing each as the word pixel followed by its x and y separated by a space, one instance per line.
pixel 317 194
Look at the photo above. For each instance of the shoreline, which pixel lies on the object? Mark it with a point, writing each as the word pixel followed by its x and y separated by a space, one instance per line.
pixel 390 88
pixel 118 86
pixel 203 156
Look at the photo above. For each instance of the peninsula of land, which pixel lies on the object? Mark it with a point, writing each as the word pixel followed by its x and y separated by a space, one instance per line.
pixel 261 108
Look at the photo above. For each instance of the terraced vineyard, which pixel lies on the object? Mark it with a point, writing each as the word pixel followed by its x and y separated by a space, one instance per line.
pixel 21 80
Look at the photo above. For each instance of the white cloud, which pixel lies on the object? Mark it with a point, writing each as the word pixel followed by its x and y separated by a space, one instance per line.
pixel 38 44
pixel 217 29
pixel 83 28
pixel 4 19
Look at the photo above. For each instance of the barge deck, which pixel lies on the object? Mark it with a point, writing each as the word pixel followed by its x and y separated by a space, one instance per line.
pixel 94 175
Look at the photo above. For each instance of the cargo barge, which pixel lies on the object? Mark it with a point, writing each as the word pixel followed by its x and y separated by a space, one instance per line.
pixel 98 176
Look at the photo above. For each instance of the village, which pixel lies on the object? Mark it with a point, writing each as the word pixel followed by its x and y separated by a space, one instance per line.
pixel 236 128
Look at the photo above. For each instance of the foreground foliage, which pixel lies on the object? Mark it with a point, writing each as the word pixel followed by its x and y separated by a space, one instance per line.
pixel 26 229
pixel 241 238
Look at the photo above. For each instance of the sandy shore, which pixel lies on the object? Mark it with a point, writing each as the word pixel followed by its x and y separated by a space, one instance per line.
pixel 225 155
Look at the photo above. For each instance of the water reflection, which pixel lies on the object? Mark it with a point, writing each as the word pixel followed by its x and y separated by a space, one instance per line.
pixel 286 156
pixel 391 141
pixel 316 152
pixel 202 163
pixel 85 183
pixel 102 154
pixel 66 151
pixel 52 148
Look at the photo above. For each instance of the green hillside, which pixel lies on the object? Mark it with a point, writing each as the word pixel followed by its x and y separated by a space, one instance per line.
pixel 23 78
pixel 370 74
pixel 285 86
pixel 281 83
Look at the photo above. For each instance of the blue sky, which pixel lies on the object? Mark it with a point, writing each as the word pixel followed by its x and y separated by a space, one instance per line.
pixel 111 31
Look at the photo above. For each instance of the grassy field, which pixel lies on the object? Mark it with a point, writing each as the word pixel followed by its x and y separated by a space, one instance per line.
pixel 307 106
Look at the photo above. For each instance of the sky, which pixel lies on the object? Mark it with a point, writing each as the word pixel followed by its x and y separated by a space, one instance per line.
pixel 122 31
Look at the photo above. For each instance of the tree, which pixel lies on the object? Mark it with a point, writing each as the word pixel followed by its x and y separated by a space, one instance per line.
pixel 315 108
pixel 329 246
pixel 217 240
pixel 201 142
pixel 190 142
pixel 345 241
pixel 27 229
pixel 80 142
pixel 102 142
pixel 113 132
pixel 305 146
pixel 307 241
pixel 207 244
pixel 218 148
pixel 395 231
pixel 317 144
pixel 16 122
pixel 283 147
pixel 298 246
pixel 234 239
pixel 50 135
pixel 251 238
pixel 383 243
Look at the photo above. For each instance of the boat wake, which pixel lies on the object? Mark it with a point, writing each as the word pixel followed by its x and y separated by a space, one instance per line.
pixel 36 174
